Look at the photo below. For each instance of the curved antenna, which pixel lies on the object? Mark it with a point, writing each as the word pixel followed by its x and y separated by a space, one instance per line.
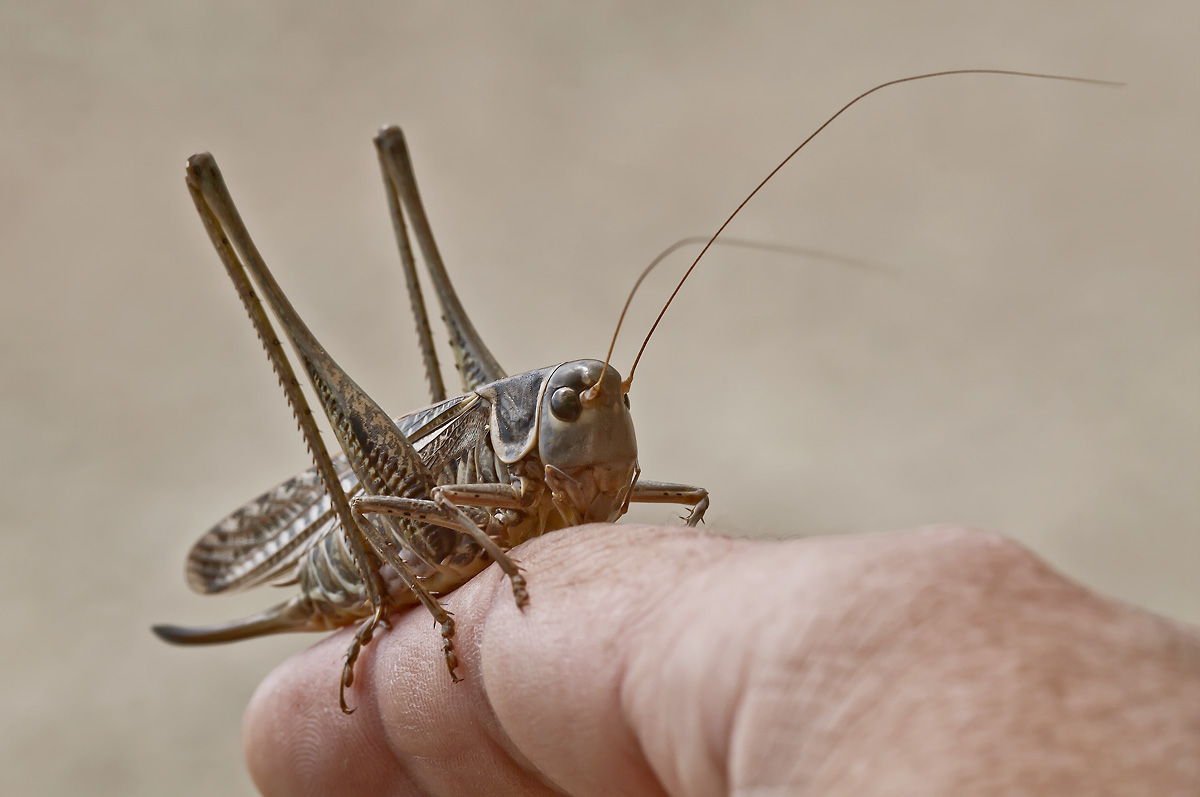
pixel 744 243
pixel 825 124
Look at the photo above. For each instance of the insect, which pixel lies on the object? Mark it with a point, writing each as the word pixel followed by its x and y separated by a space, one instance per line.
pixel 415 506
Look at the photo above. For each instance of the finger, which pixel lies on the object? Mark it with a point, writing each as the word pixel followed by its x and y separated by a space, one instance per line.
pixel 655 660
pixel 624 675
pixel 413 731
pixel 584 684
pixel 551 675
pixel 294 745
pixel 677 661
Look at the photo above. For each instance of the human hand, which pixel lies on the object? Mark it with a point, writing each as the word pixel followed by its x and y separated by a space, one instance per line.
pixel 653 659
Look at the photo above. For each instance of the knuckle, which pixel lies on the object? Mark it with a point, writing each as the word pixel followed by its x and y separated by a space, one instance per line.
pixel 977 557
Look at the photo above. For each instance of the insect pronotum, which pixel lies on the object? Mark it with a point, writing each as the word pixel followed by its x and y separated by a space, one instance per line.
pixel 415 506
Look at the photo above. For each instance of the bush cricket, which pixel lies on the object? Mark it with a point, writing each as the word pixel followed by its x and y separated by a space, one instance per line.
pixel 415 506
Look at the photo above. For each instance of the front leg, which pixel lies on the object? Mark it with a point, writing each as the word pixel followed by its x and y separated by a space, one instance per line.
pixel 650 492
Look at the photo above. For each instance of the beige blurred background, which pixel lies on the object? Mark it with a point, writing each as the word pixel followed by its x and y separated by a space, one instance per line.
pixel 1032 365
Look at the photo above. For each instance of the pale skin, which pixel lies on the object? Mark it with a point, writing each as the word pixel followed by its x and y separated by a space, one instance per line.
pixel 656 660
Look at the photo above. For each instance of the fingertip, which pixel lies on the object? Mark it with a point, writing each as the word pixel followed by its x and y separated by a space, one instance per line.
pixel 296 740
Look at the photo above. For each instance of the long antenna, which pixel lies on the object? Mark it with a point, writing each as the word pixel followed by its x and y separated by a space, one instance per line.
pixel 844 108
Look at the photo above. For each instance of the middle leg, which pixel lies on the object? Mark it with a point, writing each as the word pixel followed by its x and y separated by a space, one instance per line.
pixel 385 549
pixel 442 511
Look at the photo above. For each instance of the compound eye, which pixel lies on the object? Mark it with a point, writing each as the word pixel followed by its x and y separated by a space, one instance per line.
pixel 626 398
pixel 565 404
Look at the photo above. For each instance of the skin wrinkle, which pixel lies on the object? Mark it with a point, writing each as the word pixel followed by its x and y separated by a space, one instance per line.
pixel 686 551
pixel 748 704
pixel 835 675
pixel 660 664
pixel 842 681
pixel 504 742
pixel 748 565
pixel 500 592
pixel 1036 597
pixel 572 578
pixel 686 559
pixel 775 664
pixel 463 706
pixel 863 631
pixel 307 705
pixel 1141 688
pixel 427 764
pixel 924 617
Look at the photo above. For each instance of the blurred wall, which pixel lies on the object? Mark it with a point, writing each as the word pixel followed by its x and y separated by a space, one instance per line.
pixel 1029 360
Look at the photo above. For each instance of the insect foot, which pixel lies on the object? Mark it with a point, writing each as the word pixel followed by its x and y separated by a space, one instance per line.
pixel 361 638
pixel 448 648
